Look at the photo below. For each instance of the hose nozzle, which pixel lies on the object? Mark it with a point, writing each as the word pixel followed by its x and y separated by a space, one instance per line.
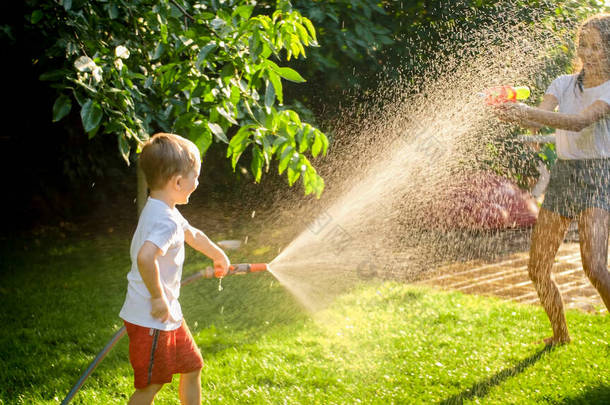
pixel 241 268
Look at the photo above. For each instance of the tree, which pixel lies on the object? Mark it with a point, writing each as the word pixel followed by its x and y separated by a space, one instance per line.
pixel 208 71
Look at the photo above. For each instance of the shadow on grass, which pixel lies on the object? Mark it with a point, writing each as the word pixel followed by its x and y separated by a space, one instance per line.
pixel 595 395
pixel 482 388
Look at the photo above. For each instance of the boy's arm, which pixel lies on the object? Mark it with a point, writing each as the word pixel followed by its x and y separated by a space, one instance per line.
pixel 149 271
pixel 200 242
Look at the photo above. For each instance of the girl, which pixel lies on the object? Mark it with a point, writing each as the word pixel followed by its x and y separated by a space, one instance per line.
pixel 580 180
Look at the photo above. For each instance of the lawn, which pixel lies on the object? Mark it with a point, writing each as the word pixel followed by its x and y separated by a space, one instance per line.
pixel 383 343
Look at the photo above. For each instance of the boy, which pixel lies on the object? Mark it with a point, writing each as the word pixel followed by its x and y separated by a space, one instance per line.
pixel 160 343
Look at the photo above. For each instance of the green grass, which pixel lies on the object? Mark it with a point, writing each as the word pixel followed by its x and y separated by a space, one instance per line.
pixel 383 343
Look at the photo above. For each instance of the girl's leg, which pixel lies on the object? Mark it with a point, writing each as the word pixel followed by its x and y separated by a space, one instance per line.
pixel 145 396
pixel 190 388
pixel 548 233
pixel 593 226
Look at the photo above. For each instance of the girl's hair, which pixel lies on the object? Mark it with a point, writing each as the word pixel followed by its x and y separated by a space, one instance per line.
pixel 600 22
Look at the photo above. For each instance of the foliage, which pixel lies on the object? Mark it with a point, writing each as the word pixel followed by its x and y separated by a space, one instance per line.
pixel 383 343
pixel 361 42
pixel 403 38
pixel 353 32
pixel 204 70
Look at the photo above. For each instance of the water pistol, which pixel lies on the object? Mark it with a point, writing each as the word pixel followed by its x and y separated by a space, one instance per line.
pixel 505 94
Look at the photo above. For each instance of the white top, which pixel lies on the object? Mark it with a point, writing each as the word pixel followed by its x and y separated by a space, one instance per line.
pixel 593 142
pixel 165 228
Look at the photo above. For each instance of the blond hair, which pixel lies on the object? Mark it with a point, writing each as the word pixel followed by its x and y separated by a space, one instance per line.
pixel 166 155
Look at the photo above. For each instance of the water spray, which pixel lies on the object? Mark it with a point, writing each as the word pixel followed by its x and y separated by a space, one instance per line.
pixel 209 272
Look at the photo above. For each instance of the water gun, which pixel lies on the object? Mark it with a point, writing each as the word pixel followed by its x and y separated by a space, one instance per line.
pixel 505 94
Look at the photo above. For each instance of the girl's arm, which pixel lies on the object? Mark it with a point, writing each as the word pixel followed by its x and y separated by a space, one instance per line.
pixel 548 103
pixel 521 114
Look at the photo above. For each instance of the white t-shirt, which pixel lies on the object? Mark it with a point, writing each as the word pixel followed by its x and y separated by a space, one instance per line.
pixel 165 228
pixel 592 142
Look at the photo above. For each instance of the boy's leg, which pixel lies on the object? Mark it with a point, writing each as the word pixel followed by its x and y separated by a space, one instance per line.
pixel 190 388
pixel 145 396
pixel 189 364
pixel 548 233
pixel 593 235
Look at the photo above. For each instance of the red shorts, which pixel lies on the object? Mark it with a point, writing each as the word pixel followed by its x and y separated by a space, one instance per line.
pixel 157 355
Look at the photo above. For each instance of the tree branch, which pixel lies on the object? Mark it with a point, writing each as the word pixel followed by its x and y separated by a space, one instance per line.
pixel 182 10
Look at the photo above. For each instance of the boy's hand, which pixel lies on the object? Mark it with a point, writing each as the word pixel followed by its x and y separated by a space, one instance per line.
pixel 160 308
pixel 221 266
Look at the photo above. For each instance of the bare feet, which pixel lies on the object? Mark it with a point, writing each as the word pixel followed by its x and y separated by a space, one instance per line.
pixel 555 340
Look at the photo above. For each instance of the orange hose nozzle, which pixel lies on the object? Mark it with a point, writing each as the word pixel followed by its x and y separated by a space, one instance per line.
pixel 254 267
pixel 241 268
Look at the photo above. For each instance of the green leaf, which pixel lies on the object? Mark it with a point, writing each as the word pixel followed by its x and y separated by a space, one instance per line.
pixel 239 143
pixel 61 108
pixel 201 136
pixel 240 140
pixel 313 182
pixel 302 34
pixel 294 117
pixel 203 53
pixel 293 175
pixel 304 138
pixel 255 46
pixel 290 74
pixel 294 171
pixel 36 16
pixel 227 72
pixel 91 114
pixel 295 47
pixel 218 132
pixel 269 97
pixel 318 145
pixel 277 84
pixel 124 148
pixel 324 143
pixel 113 11
pixel 163 31
pixel 235 95
pixel 249 110
pixel 310 28
pixel 307 182
pixel 244 11
pixel 217 23
pixel 158 51
pixel 285 158
pixel 67 4
pixel 257 163
pixel 226 114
